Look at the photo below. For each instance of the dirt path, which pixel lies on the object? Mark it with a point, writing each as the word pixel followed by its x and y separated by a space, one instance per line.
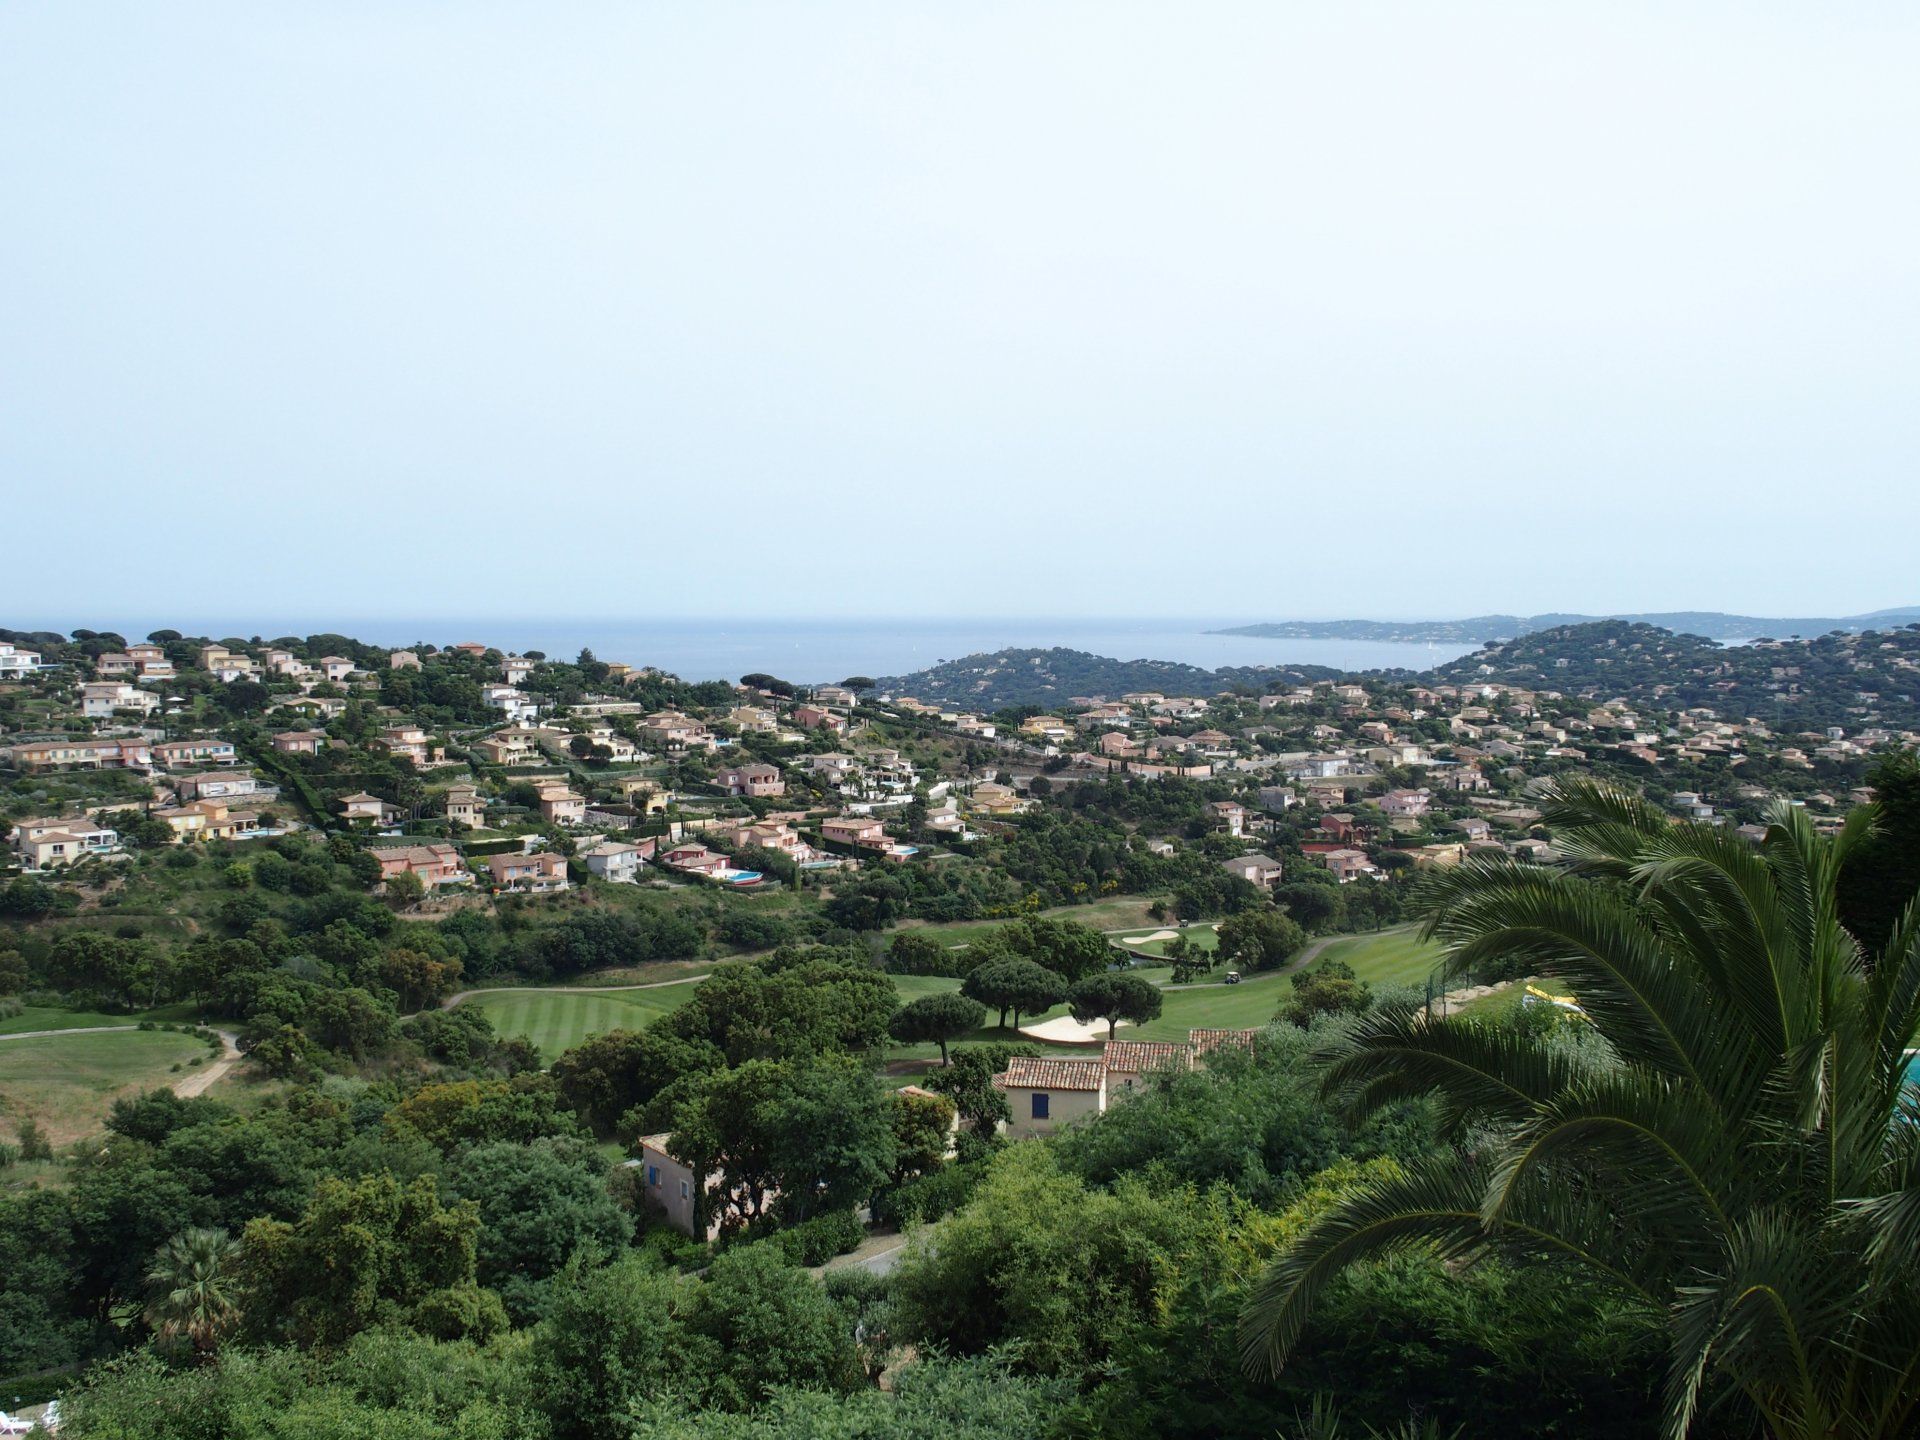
pixel 456 998
pixel 201 1080
pixel 70 1030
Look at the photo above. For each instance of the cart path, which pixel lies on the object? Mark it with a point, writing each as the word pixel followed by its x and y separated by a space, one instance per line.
pixel 203 1080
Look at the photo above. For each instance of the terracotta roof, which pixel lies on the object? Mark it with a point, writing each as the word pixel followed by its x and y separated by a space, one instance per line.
pixel 1205 1042
pixel 1027 1072
pixel 1139 1056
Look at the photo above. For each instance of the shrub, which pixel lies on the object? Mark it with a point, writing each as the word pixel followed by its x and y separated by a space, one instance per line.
pixel 926 1197
pixel 34 1144
pixel 815 1241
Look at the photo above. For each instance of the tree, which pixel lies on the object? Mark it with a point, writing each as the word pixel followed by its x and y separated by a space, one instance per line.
pixel 1041 1261
pixel 406 890
pixel 194 1296
pixel 857 683
pixel 1113 998
pixel 1883 871
pixel 922 1127
pixel 1312 904
pixel 605 1076
pixel 34 1144
pixel 1742 1170
pixel 1066 947
pixel 609 1340
pixel 1330 988
pixel 539 1203
pixel 914 953
pixel 968 1082
pixel 364 1252
pixel 1017 986
pixel 937 1018
pixel 457 1112
pixel 813 1133
pixel 1188 960
pixel 1260 939
pixel 759 1323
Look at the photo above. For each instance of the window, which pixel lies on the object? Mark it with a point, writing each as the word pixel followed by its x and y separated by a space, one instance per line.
pixel 1040 1105
pixel 653 1174
pixel 685 1190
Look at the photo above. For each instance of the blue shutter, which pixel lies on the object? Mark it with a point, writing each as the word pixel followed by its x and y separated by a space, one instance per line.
pixel 1040 1105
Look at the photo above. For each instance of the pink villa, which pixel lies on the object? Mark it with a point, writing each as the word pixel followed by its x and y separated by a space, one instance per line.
pixel 861 831
pixel 759 780
pixel 812 717
pixel 1348 865
pixel 695 859
pixel 436 865
pixel 300 742
pixel 535 874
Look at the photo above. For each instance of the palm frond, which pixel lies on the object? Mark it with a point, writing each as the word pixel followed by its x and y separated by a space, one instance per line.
pixel 1667 1157
pixel 1480 1070
pixel 1778 1296
pixel 1436 1205
pixel 1654 1011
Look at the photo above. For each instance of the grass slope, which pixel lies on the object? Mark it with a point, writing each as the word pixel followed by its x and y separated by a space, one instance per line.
pixel 48 1017
pixel 1392 957
pixel 558 1021
pixel 68 1082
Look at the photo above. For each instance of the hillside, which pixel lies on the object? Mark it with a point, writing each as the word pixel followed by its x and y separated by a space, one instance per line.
pixel 1836 679
pixel 1712 624
pixel 1793 685
pixel 1051 677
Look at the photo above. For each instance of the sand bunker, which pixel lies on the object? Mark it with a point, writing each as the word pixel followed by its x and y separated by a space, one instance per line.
pixel 1149 939
pixel 1065 1030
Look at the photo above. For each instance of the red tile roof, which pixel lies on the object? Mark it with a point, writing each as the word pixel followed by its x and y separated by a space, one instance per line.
pixel 1205 1042
pixel 1139 1056
pixel 1027 1072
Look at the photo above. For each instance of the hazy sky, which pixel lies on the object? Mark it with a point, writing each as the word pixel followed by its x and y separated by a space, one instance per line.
pixel 1265 309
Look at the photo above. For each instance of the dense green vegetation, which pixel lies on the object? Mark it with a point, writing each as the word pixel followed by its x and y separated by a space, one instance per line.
pixel 411 1211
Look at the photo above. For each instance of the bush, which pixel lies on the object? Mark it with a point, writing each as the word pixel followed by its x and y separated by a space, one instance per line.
pixel 34 1144
pixel 815 1241
pixel 926 1197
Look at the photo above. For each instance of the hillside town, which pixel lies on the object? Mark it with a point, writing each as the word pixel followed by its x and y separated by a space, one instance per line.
pixel 639 1007
pixel 478 772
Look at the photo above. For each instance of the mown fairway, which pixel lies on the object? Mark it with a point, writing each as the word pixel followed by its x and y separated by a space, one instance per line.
pixel 556 1021
pixel 1392 957
pixel 68 1082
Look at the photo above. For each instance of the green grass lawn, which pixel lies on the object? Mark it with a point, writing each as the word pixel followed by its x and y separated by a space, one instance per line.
pixel 556 1022
pixel 48 1017
pixel 1203 937
pixel 1248 1005
pixel 68 1082
pixel 1392 957
pixel 1120 913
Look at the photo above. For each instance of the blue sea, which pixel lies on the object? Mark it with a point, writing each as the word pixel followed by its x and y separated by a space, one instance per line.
pixel 822 651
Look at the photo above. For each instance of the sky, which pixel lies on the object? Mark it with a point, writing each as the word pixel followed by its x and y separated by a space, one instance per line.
pixel 1262 310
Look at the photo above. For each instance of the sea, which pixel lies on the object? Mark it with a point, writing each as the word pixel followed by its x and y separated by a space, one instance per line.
pixel 813 652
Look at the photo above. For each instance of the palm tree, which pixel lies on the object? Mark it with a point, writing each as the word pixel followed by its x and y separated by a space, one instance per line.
pixel 1740 1160
pixel 193 1292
